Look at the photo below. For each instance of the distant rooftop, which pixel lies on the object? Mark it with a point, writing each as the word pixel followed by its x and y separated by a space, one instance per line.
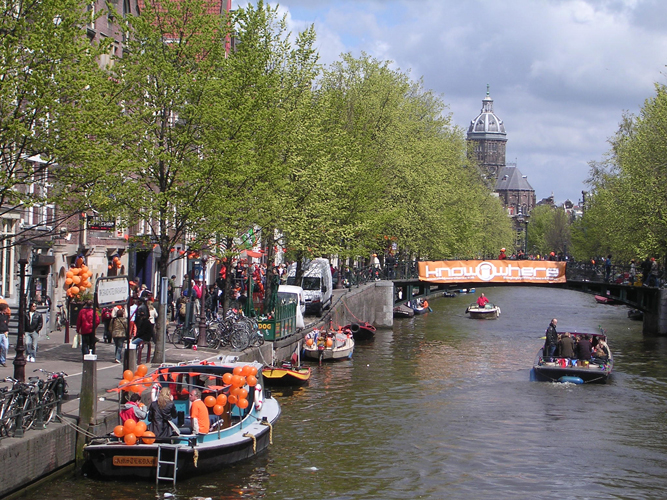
pixel 511 179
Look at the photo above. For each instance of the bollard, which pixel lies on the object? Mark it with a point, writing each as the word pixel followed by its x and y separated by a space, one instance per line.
pixel 132 357
pixel 87 404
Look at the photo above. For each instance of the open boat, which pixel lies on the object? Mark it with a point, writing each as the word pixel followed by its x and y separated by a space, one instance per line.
pixel 419 306
pixel 489 311
pixel 328 346
pixel 403 311
pixel 287 372
pixel 601 299
pixel 360 331
pixel 239 431
pixel 575 371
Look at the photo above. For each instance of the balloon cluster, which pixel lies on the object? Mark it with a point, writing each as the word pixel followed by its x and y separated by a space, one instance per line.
pixel 241 376
pixel 115 262
pixel 132 431
pixel 76 279
pixel 137 381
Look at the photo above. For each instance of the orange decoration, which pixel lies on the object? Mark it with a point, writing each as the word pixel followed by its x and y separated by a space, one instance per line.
pixel 221 400
pixel 68 281
pixel 232 399
pixel 209 401
pixel 309 342
pixel 236 381
pixel 142 370
pixel 238 370
pixel 329 342
pixel 74 271
pixel 130 424
pixel 130 439
pixel 242 394
pixel 148 437
pixel 245 371
pixel 253 371
pixel 243 404
pixel 128 375
pixel 140 429
pixel 218 409
pixel 69 274
pixel 227 378
pixel 74 290
pixel 252 380
pixel 119 431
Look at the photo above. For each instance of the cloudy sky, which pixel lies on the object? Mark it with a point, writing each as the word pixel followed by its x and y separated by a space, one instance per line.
pixel 561 72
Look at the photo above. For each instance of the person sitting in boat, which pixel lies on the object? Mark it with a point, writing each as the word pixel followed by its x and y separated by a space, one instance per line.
pixel 160 413
pixel 566 346
pixel 601 349
pixel 584 349
pixel 482 301
pixel 133 409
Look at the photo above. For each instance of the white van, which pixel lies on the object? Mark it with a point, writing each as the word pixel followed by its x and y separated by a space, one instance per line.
pixel 316 283
pixel 294 293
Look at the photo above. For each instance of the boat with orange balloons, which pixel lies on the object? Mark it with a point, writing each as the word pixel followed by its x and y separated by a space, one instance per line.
pixel 323 345
pixel 241 413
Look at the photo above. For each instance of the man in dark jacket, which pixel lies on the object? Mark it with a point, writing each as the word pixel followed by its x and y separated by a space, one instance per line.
pixel 551 341
pixel 33 325
pixel 584 349
pixel 566 346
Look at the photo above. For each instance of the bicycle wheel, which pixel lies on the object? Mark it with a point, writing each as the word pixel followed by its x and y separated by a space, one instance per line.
pixel 176 337
pixel 239 337
pixel 49 406
pixel 212 340
pixel 29 411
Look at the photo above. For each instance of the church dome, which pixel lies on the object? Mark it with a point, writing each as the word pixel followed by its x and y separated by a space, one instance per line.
pixel 487 125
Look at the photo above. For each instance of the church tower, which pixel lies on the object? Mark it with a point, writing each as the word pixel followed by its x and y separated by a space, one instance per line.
pixel 487 136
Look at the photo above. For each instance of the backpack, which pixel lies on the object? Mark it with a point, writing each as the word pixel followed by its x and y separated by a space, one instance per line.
pixel 182 309
pixel 106 313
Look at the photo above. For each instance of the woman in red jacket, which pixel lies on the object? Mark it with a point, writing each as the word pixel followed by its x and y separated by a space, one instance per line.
pixel 85 327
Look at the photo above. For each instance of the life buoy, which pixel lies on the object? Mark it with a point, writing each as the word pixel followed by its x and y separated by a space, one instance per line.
pixel 155 391
pixel 259 397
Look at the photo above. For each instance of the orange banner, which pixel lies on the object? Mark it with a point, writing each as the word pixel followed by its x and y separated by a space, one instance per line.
pixel 492 271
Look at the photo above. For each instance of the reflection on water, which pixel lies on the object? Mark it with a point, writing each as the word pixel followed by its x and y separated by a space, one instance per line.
pixel 443 407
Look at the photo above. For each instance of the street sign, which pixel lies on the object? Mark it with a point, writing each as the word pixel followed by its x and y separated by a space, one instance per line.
pixel 115 290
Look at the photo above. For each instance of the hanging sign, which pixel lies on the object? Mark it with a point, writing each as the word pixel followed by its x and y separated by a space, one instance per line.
pixel 492 271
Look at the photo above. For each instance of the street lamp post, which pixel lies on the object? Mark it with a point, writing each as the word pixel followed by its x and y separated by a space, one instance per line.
pixel 202 311
pixel 19 359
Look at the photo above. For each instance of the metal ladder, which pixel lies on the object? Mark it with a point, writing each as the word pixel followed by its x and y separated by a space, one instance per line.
pixel 169 448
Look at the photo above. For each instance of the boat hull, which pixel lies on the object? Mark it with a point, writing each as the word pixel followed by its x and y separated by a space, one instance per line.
pixel 361 331
pixel 285 376
pixel 403 311
pixel 483 312
pixel 196 455
pixel 340 350
pixel 552 372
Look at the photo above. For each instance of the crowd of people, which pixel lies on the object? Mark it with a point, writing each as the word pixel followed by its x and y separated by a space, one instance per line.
pixel 581 347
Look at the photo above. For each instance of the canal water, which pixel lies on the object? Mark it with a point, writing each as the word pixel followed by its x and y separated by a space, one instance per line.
pixel 442 407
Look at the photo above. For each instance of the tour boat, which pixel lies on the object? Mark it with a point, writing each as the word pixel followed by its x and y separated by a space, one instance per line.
pixel 489 311
pixel 328 346
pixel 241 428
pixel 575 371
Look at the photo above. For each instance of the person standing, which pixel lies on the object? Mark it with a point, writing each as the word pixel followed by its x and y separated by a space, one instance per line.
pixel 86 324
pixel 633 272
pixel 551 341
pixel 160 413
pixel 502 255
pixel 119 333
pixel 607 268
pixel 144 329
pixel 33 325
pixel 566 346
pixel 482 301
pixel 5 314
pixel 198 413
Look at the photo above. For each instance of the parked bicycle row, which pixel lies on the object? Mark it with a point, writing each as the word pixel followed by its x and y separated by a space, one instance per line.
pixel 31 404
pixel 235 330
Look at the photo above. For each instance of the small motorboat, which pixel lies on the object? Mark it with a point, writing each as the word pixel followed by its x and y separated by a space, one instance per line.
pixel 288 372
pixel 489 311
pixel 419 306
pixel 360 331
pixel 449 294
pixel 602 299
pixel 573 370
pixel 403 311
pixel 328 346
pixel 636 314
pixel 242 415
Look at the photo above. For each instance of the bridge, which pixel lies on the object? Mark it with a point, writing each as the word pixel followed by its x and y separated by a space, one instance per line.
pixel 652 301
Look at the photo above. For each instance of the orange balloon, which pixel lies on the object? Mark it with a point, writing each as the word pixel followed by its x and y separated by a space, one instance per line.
pixel 243 404
pixel 141 371
pixel 130 424
pixel 68 281
pixel 137 388
pixel 245 371
pixel 76 279
pixel 148 437
pixel 147 381
pixel 221 400
pixel 128 375
pixel 218 409
pixel 209 401
pixel 242 394
pixel 130 439
pixel 236 380
pixel 227 378
pixel 232 399
pixel 74 290
pixel 119 431
pixel 69 274
pixel 238 370
pixel 140 429
pixel 252 380
pixel 75 271
pixel 253 371
pixel 309 342
pixel 329 342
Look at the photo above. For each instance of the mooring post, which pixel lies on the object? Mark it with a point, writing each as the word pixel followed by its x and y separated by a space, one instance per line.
pixel 87 404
